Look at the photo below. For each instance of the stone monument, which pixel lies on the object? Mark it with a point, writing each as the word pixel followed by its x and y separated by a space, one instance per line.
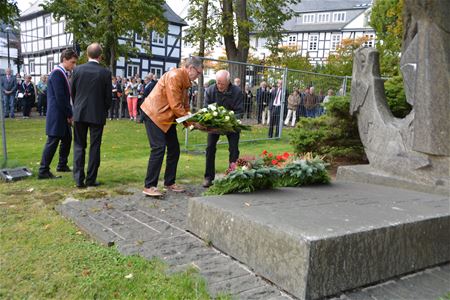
pixel 414 152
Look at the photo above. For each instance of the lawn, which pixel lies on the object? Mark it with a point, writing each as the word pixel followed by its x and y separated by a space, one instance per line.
pixel 42 255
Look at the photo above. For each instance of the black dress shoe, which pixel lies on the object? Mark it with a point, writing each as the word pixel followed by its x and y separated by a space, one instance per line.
pixel 47 175
pixel 81 185
pixel 93 183
pixel 63 169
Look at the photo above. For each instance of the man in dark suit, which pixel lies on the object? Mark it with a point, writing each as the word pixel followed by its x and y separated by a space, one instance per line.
pixel 262 99
pixel 149 85
pixel 275 109
pixel 91 94
pixel 9 87
pixel 59 116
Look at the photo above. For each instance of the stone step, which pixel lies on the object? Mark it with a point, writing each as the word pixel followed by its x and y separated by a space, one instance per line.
pixel 318 241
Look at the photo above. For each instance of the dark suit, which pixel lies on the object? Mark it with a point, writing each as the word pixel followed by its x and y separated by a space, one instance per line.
pixel 147 90
pixel 262 99
pixel 28 97
pixel 57 127
pixel 8 98
pixel 91 94
pixel 275 111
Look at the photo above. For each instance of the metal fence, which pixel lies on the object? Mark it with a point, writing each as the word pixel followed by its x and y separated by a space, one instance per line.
pixel 259 84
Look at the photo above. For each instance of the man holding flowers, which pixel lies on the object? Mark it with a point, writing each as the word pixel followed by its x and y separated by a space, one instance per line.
pixel 230 96
pixel 167 101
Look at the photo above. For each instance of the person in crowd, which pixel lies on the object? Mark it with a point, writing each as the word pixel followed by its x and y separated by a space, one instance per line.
pixel 229 96
pixel 310 103
pixel 9 87
pixel 330 94
pixel 319 106
pixel 28 96
pixel 167 101
pixel 42 95
pixel 59 117
pixel 293 103
pixel 91 93
pixel 248 101
pixel 301 111
pixel 132 98
pixel 115 100
pixel 149 84
pixel 262 100
pixel 275 108
pixel 237 82
pixel 19 104
pixel 140 92
pixel 123 107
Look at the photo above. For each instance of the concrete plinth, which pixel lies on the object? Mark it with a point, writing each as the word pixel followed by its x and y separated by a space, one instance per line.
pixel 318 241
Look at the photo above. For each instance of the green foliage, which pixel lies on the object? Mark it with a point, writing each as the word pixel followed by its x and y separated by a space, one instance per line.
pixel 396 98
pixel 387 20
pixel 8 11
pixel 105 21
pixel 334 134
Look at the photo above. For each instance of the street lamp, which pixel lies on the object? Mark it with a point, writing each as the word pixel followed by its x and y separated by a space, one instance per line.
pixel 8 29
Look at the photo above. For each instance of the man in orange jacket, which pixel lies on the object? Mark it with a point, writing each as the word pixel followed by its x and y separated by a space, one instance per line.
pixel 168 101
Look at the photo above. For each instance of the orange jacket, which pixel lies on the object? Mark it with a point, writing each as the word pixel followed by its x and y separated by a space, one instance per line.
pixel 169 99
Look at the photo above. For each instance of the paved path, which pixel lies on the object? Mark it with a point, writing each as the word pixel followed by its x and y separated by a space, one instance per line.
pixel 156 228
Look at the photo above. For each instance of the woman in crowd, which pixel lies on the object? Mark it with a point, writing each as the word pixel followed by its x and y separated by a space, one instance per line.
pixel 248 101
pixel 293 103
pixel 132 98
pixel 42 95
pixel 28 96
pixel 116 98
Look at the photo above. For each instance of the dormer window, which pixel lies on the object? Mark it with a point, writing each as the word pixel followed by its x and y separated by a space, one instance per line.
pixel 308 18
pixel 339 17
pixel 323 18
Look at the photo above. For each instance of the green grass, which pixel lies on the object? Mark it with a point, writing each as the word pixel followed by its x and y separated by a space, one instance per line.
pixel 42 255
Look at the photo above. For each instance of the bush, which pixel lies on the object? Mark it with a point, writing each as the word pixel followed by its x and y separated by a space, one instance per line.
pixel 396 98
pixel 334 134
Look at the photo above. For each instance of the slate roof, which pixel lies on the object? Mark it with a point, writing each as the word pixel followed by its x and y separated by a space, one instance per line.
pixel 330 5
pixel 35 9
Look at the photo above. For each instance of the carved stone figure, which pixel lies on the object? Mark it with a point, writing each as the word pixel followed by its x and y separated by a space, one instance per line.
pixel 415 149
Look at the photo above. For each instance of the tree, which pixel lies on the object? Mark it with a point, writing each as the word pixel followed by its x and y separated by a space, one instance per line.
pixel 8 11
pixel 231 21
pixel 104 21
pixel 387 21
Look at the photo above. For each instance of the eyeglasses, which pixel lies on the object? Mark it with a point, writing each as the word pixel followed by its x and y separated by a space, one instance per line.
pixel 196 70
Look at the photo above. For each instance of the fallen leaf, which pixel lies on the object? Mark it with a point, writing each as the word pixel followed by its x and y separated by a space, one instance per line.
pixel 79 232
pixel 247 204
pixel 129 276
pixel 30 190
pixel 86 272
pixel 47 226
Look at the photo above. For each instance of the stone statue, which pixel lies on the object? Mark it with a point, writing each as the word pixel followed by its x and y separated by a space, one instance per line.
pixel 415 151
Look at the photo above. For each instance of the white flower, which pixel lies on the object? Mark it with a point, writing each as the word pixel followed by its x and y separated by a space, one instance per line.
pixel 239 121
pixel 231 112
pixel 244 168
pixel 212 107
pixel 215 114
pixel 204 109
pixel 227 118
pixel 191 127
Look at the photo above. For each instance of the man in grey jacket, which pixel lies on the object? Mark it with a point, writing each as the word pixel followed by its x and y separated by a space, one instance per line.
pixel 9 87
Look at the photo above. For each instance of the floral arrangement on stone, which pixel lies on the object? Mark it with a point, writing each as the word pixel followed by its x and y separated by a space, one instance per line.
pixel 216 119
pixel 270 171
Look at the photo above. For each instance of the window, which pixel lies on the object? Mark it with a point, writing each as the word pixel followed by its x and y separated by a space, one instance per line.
pixel 47 26
pixel 370 40
pixel 156 71
pixel 335 41
pixel 50 66
pixel 31 66
pixel 308 18
pixel 138 37
pixel 132 70
pixel 339 16
pixel 323 18
pixel 292 40
pixel 313 41
pixel 157 39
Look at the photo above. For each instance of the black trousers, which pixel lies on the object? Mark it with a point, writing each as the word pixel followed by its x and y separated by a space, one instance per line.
pixel 80 130
pixel 50 149
pixel 274 121
pixel 159 141
pixel 260 109
pixel 114 109
pixel 27 104
pixel 141 113
pixel 233 149
pixel 42 104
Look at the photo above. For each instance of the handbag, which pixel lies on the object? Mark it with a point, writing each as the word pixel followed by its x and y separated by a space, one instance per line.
pixel 20 95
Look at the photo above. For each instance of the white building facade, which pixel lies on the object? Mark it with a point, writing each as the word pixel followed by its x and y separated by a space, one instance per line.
pixel 43 39
pixel 321 26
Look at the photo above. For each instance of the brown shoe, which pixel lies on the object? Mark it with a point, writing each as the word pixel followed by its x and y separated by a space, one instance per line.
pixel 175 188
pixel 152 192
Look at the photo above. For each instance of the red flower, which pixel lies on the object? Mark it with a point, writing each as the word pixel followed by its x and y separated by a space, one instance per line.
pixel 270 155
pixel 264 152
pixel 285 155
pixel 274 162
pixel 279 157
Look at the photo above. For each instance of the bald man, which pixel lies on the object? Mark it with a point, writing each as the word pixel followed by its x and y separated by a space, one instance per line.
pixel 92 97
pixel 229 96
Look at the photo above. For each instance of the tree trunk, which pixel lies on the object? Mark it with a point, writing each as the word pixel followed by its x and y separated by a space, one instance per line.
pixel 201 53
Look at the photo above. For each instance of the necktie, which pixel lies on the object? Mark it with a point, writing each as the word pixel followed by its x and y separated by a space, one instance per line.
pixel 277 98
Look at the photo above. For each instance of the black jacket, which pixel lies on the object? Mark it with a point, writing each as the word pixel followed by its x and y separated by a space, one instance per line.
pixel 149 87
pixel 91 93
pixel 231 99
